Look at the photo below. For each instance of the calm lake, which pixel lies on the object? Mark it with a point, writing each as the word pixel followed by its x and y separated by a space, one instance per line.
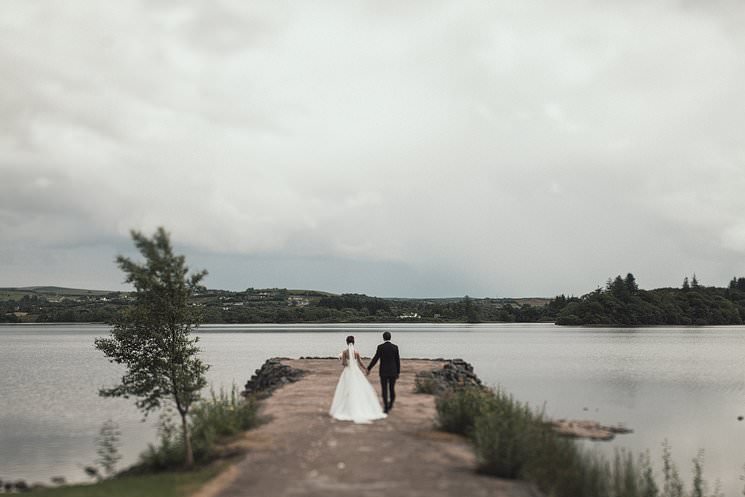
pixel 686 385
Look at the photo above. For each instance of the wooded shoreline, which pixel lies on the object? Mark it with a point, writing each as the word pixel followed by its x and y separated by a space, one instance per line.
pixel 621 303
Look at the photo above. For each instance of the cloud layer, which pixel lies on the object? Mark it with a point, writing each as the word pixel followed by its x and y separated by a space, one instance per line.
pixel 494 148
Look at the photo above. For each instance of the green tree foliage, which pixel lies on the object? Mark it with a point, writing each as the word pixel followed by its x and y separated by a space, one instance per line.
pixel 214 420
pixel 152 337
pixel 355 301
pixel 737 284
pixel 630 284
pixel 470 310
pixel 557 304
pixel 622 303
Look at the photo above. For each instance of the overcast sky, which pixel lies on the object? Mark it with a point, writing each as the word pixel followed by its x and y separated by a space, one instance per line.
pixel 495 148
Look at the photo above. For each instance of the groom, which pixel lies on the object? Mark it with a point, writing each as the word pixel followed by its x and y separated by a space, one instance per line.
pixel 390 368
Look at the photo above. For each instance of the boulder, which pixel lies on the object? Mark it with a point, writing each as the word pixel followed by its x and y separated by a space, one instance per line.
pixel 270 376
pixel 454 374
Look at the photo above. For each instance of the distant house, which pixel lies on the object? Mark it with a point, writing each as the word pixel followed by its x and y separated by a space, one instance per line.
pixel 295 301
pixel 410 315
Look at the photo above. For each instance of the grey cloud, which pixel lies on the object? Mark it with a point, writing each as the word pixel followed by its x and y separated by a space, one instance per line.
pixel 485 147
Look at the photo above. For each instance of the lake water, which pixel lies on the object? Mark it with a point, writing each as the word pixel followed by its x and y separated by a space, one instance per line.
pixel 686 385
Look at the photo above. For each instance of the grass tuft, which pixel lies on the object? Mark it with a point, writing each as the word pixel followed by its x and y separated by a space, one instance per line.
pixel 426 385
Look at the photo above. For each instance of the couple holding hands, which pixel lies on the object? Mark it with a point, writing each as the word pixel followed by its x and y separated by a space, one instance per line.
pixel 355 399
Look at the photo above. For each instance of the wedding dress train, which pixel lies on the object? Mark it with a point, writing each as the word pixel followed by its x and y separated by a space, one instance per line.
pixel 355 399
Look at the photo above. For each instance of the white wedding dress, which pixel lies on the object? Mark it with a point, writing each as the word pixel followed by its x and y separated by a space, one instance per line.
pixel 355 399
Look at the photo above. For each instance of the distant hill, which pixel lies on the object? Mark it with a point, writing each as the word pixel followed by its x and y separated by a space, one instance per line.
pixel 271 305
pixel 49 290
pixel 58 290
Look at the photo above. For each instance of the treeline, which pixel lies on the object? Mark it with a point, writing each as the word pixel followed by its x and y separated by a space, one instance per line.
pixel 360 308
pixel 623 303
pixel 358 302
pixel 39 309
pixel 620 303
pixel 279 305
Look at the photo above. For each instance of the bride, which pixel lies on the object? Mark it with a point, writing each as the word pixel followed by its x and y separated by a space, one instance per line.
pixel 354 399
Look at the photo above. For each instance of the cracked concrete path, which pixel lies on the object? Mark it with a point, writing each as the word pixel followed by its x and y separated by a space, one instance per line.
pixel 304 452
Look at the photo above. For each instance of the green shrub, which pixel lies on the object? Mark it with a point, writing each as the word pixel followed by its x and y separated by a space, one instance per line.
pixel 108 442
pixel 424 384
pixel 211 420
pixel 504 434
pixel 457 410
pixel 221 416
pixel 513 441
pixel 169 451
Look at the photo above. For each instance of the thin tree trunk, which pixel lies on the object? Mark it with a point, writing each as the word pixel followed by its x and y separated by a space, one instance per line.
pixel 188 452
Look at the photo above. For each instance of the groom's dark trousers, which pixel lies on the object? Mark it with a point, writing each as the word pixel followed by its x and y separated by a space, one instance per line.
pixel 390 368
pixel 388 387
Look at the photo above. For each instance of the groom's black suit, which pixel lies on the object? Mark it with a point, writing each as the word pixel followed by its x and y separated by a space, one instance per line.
pixel 390 368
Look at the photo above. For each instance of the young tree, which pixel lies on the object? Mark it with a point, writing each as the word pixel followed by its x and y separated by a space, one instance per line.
pixel 152 338
pixel 107 447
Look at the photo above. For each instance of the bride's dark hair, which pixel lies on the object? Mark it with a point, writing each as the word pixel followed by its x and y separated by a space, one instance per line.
pixel 350 339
